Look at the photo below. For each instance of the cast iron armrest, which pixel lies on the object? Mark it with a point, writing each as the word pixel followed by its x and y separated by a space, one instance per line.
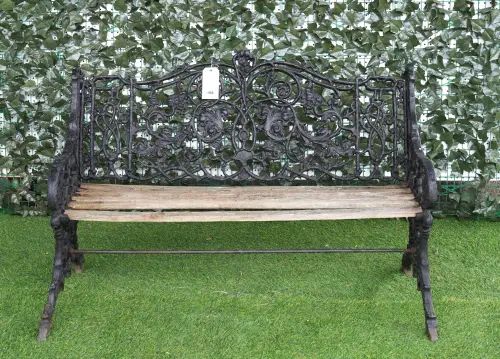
pixel 64 177
pixel 421 175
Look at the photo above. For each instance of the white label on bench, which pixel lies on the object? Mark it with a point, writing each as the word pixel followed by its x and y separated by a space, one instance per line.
pixel 210 83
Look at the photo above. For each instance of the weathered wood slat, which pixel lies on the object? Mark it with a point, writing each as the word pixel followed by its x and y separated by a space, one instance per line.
pixel 239 196
pixel 144 197
pixel 164 202
pixel 116 190
pixel 240 216
pixel 141 186
pixel 216 203
pixel 236 194
pixel 130 188
pixel 230 199
pixel 325 197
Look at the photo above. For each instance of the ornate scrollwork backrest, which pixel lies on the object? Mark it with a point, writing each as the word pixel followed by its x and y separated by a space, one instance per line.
pixel 273 121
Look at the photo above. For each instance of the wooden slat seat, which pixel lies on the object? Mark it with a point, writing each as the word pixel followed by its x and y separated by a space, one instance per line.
pixel 148 203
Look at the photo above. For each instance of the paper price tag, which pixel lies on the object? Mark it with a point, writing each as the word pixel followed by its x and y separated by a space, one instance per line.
pixel 210 83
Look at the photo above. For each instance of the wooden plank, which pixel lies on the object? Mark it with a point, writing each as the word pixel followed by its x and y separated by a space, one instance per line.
pixel 243 189
pixel 257 203
pixel 90 184
pixel 256 197
pixel 262 189
pixel 185 202
pixel 238 196
pixel 235 192
pixel 144 197
pixel 126 190
pixel 240 216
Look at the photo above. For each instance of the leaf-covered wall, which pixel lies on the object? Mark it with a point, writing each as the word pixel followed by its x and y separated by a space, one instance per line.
pixel 455 46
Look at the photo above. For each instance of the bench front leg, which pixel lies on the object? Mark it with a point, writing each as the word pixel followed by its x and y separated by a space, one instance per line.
pixel 61 268
pixel 423 227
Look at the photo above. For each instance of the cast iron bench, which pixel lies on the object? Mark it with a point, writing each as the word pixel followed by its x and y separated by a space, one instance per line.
pixel 273 123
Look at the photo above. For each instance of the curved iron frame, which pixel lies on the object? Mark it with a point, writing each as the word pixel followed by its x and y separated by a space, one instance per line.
pixel 67 173
pixel 421 178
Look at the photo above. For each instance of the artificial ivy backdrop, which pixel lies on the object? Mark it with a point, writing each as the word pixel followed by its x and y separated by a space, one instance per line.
pixel 455 47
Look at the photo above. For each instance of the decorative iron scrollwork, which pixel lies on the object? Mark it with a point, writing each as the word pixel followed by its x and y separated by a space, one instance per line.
pixel 274 121
pixel 244 62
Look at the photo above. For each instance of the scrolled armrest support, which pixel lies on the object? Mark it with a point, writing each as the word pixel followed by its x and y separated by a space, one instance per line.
pixel 421 177
pixel 64 176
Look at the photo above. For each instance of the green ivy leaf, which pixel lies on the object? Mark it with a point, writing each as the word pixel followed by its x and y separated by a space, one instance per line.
pixel 264 6
pixel 231 31
pixel 382 5
pixel 120 5
pixel 122 60
pixel 6 5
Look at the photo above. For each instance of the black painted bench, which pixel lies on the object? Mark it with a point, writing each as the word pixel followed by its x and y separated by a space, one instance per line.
pixel 279 142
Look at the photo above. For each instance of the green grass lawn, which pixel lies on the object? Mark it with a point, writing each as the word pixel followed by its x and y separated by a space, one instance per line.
pixel 251 306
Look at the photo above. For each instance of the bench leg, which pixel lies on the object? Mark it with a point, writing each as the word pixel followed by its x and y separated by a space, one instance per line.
pixel 408 262
pixel 76 259
pixel 423 225
pixel 61 269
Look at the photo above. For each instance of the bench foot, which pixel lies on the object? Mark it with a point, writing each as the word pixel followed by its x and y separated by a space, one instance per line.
pixel 44 329
pixel 56 286
pixel 65 237
pixel 431 327
pixel 78 268
pixel 423 226
pixel 408 271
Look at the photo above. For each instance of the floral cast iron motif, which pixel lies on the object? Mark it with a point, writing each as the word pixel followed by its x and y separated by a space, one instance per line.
pixel 274 121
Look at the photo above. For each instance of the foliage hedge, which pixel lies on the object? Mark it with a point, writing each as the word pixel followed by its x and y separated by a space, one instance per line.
pixel 42 40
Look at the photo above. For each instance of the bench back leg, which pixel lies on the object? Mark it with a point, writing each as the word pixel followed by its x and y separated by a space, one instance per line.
pixel 77 259
pixel 408 261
